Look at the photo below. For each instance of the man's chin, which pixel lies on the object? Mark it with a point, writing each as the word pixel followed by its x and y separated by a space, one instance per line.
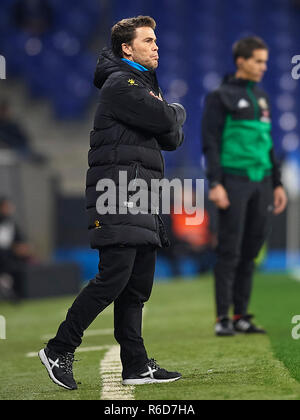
pixel 259 78
pixel 152 66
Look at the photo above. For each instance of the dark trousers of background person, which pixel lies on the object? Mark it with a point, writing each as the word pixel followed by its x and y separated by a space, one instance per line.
pixel 203 258
pixel 126 278
pixel 243 229
pixel 16 268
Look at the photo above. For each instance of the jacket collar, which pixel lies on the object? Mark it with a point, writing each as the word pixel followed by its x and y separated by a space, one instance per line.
pixel 136 66
pixel 109 63
pixel 232 80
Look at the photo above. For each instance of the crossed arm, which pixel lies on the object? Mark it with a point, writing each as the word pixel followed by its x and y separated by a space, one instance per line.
pixel 136 106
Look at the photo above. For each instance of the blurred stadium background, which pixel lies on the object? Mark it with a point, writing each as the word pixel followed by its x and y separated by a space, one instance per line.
pixel 51 49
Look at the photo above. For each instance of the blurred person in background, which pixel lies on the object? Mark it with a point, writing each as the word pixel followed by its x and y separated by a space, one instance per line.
pixel 295 3
pixel 244 179
pixel 13 136
pixel 133 124
pixel 15 253
pixel 33 16
pixel 195 242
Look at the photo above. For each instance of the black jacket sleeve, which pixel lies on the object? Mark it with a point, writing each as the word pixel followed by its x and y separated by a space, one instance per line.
pixel 276 173
pixel 213 123
pixel 133 105
pixel 174 139
pixel 19 236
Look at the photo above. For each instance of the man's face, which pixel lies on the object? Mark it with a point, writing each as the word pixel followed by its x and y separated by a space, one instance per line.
pixel 254 67
pixel 7 209
pixel 143 49
pixel 4 112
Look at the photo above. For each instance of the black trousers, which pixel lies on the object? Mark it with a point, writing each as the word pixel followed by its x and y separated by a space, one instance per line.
pixel 16 267
pixel 243 229
pixel 126 278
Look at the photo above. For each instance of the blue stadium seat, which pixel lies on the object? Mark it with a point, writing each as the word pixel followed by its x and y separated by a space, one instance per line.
pixel 47 63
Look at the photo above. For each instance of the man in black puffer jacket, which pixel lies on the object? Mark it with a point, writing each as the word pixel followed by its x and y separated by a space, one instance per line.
pixel 133 124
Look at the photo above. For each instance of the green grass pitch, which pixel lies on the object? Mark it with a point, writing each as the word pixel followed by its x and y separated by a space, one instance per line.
pixel 179 332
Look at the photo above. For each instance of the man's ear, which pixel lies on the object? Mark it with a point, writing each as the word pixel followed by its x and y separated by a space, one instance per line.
pixel 127 50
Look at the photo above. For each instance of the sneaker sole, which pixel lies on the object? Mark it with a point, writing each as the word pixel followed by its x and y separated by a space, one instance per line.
pixel 44 360
pixel 250 332
pixel 147 381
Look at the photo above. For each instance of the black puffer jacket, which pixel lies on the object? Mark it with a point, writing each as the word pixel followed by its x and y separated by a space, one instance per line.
pixel 131 128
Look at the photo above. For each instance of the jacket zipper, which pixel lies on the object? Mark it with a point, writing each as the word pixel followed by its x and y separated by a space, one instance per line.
pixel 134 172
pixel 253 100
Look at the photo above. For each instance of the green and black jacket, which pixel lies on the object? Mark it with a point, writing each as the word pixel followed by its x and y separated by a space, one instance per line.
pixel 236 133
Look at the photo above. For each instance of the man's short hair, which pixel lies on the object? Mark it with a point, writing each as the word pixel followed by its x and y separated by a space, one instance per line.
pixel 246 46
pixel 124 32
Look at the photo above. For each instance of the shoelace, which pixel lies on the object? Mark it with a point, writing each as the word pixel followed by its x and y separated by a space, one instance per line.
pixel 66 362
pixel 153 364
pixel 248 318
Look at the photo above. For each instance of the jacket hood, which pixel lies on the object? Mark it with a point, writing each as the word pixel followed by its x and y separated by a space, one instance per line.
pixel 107 64
pixel 230 79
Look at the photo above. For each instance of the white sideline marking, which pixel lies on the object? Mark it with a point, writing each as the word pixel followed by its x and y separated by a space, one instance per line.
pixel 110 372
pixel 80 350
pixel 91 333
